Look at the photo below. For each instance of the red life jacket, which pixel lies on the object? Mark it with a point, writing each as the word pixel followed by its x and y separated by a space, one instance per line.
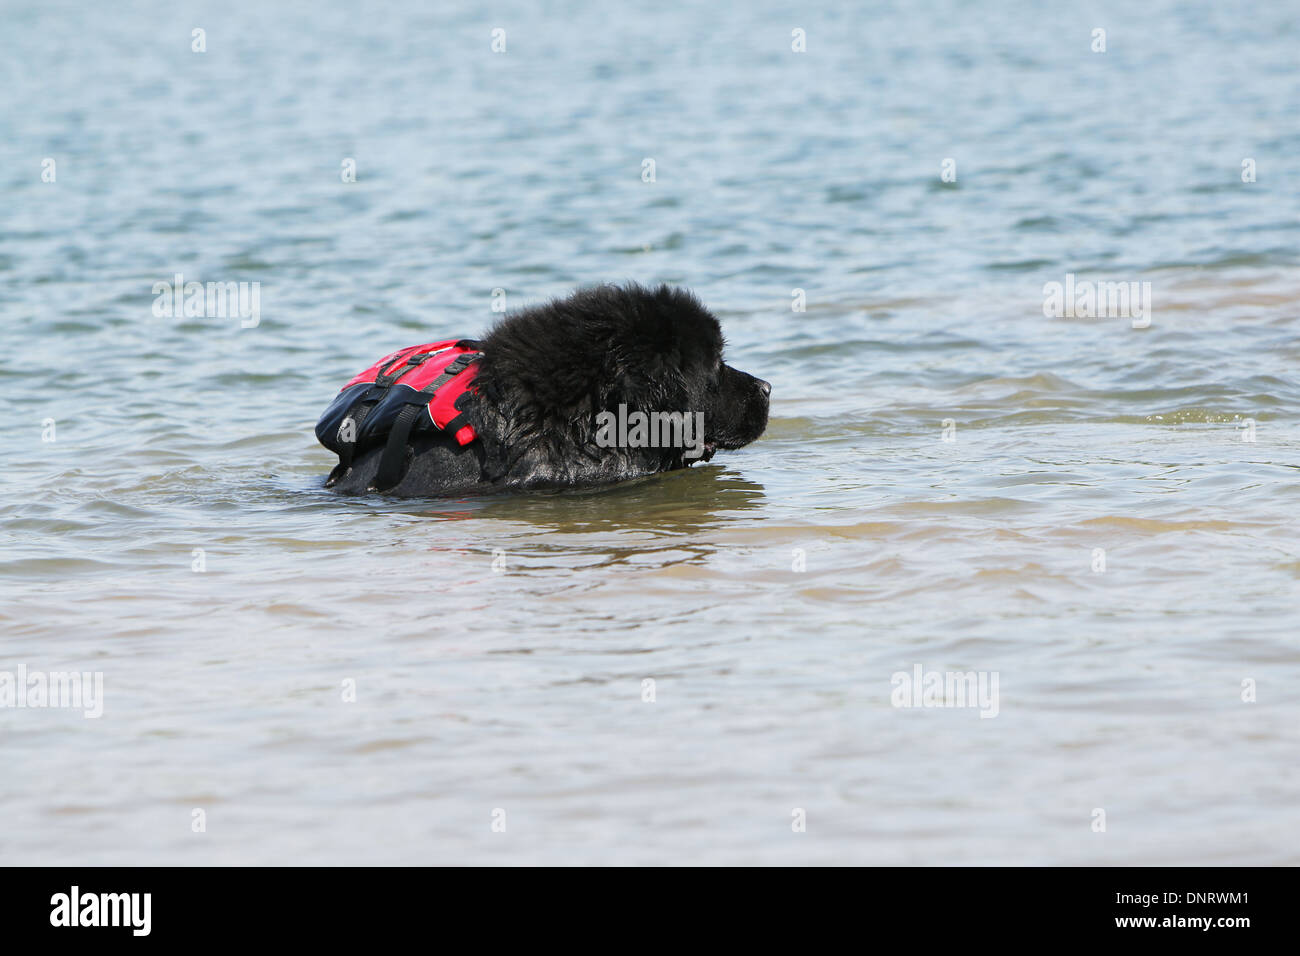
pixel 414 389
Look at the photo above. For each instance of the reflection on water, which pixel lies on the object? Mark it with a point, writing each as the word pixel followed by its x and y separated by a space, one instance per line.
pixel 690 501
pixel 659 672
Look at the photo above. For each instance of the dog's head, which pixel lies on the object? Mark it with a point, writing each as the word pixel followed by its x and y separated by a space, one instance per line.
pixel 559 368
pixel 665 354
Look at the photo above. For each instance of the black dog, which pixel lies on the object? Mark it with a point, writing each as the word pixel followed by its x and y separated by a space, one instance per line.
pixel 557 395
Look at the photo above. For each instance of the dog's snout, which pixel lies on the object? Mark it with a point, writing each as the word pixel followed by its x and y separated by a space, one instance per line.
pixel 765 387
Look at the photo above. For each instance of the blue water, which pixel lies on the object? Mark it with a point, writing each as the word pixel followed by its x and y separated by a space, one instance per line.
pixel 499 647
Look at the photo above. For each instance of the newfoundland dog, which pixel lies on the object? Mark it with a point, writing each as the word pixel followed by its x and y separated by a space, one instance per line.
pixel 613 382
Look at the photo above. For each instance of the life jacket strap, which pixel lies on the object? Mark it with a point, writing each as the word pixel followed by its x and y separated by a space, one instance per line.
pixel 388 376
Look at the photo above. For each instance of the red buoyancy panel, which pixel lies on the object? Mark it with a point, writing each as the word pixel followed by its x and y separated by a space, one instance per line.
pixel 443 410
pixel 442 407
pixel 391 363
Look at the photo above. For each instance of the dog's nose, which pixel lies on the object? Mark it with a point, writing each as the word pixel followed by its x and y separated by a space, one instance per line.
pixel 765 387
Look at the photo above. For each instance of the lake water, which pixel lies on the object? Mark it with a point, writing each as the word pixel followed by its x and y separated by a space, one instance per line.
pixel 951 479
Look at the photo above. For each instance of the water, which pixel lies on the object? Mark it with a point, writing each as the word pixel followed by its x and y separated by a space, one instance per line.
pixel 498 647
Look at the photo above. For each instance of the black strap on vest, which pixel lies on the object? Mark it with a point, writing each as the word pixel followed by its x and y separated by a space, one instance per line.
pixel 393 462
pixel 388 376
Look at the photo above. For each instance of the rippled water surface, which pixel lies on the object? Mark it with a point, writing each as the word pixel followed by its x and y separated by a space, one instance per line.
pixel 499 647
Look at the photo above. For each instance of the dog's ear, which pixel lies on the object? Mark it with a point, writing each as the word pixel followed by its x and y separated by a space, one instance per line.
pixel 654 384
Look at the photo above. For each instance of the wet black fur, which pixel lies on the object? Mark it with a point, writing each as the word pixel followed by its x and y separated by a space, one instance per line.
pixel 547 372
